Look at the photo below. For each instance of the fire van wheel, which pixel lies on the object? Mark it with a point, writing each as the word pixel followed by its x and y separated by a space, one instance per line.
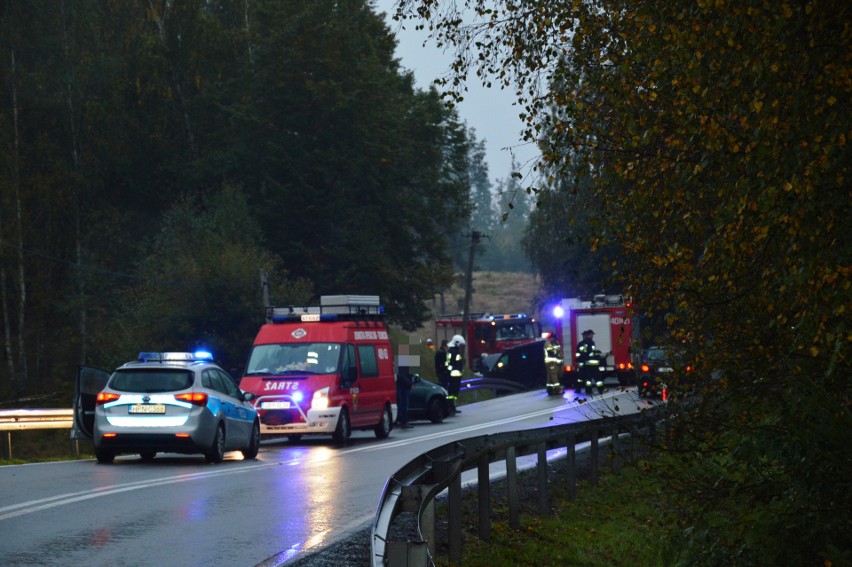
pixel 253 449
pixel 216 453
pixel 104 456
pixel 437 410
pixel 344 427
pixel 383 429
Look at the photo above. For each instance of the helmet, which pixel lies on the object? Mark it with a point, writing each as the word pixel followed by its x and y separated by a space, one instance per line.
pixel 457 340
pixel 589 332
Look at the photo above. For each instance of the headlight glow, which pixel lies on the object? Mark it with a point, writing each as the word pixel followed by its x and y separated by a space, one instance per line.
pixel 320 399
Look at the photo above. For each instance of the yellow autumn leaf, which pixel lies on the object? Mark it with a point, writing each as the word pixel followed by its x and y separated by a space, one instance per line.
pixel 814 351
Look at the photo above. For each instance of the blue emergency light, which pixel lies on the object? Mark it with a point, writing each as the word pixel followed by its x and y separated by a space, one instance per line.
pixel 558 312
pixel 197 356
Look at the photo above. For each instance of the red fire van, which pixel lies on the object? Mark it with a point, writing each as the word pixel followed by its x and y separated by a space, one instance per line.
pixel 323 370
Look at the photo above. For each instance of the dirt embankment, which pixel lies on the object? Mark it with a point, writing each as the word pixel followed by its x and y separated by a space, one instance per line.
pixel 493 292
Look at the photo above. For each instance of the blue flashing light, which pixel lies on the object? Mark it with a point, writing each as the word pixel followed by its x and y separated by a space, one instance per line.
pixel 197 356
pixel 558 312
pixel 203 355
pixel 298 397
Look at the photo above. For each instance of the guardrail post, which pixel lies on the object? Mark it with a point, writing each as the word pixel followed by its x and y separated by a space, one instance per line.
pixel 484 491
pixel 427 526
pixel 543 506
pixel 571 456
pixel 407 554
pixel 594 455
pixel 512 488
pixel 615 462
pixel 9 445
pixel 455 520
pixel 443 469
pixel 634 432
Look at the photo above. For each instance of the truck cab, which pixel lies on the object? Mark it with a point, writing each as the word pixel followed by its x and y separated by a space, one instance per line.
pixel 488 334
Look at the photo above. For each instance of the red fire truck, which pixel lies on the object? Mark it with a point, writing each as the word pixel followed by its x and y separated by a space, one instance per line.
pixel 611 319
pixel 487 334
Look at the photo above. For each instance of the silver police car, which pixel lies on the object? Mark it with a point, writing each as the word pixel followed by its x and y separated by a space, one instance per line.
pixel 175 402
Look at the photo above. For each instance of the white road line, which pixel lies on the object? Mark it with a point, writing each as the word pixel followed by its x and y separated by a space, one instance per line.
pixel 22 508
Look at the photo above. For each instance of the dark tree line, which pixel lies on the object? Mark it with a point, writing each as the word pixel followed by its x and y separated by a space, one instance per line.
pixel 161 159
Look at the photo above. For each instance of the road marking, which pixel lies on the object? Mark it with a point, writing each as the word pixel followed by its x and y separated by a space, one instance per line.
pixel 22 508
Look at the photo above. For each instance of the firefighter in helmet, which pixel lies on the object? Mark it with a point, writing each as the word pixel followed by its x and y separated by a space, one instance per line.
pixel 455 362
pixel 589 362
pixel 553 366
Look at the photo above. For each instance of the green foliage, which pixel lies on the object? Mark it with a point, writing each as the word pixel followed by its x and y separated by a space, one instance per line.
pixel 622 521
pixel 715 135
pixel 200 286
pixel 123 122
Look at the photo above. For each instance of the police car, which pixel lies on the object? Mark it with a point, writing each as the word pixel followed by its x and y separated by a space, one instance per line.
pixel 176 402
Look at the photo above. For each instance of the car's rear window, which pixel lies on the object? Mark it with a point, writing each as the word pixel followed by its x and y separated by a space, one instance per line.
pixel 151 381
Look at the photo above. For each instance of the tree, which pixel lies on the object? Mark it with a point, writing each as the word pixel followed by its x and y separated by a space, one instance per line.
pixel 361 178
pixel 717 134
pixel 199 281
pixel 512 210
pixel 482 217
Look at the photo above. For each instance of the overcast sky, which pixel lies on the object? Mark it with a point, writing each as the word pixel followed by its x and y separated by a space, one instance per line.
pixel 489 111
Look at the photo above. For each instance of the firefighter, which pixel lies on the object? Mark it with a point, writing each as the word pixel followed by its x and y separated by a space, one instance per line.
pixel 589 362
pixel 442 367
pixel 553 366
pixel 455 362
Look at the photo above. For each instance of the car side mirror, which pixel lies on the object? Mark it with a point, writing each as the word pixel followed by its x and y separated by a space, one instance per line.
pixel 248 396
pixel 415 378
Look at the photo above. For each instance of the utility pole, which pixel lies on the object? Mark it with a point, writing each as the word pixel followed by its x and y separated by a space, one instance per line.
pixel 475 237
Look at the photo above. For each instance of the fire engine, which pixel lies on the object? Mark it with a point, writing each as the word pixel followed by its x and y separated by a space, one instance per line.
pixel 611 319
pixel 324 369
pixel 487 334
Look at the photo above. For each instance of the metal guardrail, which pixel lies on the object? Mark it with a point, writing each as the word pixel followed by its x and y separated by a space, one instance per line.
pixel 414 487
pixel 28 419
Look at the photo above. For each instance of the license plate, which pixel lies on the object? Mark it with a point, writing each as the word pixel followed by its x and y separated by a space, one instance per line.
pixel 275 405
pixel 148 408
pixel 665 369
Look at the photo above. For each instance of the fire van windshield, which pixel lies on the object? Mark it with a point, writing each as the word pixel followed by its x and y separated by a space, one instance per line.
pixel 287 358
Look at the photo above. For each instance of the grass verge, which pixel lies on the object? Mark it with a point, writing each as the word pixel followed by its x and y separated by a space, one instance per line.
pixel 622 521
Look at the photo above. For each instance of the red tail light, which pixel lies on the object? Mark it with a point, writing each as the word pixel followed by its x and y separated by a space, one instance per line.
pixel 665 394
pixel 646 368
pixel 197 398
pixel 567 368
pixel 689 368
pixel 105 397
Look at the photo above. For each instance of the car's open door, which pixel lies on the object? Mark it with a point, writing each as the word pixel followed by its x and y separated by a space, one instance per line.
pixel 90 381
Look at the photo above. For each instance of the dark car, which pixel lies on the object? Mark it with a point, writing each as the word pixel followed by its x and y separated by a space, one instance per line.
pixel 428 401
pixel 661 370
pixel 175 402
pixel 525 364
